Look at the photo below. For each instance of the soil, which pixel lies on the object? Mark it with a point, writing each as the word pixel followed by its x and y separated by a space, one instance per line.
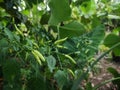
pixel 104 74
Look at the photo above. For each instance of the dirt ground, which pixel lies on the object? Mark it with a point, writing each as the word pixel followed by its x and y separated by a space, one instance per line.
pixel 104 74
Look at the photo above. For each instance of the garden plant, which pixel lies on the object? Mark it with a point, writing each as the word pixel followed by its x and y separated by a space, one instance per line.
pixel 52 44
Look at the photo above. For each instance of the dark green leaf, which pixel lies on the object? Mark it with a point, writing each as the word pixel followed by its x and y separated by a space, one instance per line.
pixel 11 70
pixel 115 73
pixel 3 43
pixel 72 29
pixel 69 46
pixel 89 86
pixel 45 18
pixel 36 83
pixel 61 78
pixel 111 40
pixel 97 35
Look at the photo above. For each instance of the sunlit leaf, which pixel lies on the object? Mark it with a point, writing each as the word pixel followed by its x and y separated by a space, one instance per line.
pixel 88 8
pixel 1 0
pixel 116 31
pixel 60 11
pixel 113 17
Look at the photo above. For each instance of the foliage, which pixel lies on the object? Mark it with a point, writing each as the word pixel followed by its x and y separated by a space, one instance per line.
pixel 47 44
pixel 116 75
pixel 57 13
pixel 115 39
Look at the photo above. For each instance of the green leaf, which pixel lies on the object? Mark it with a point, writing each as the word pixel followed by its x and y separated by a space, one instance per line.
pixel 115 73
pixel 105 1
pixel 72 29
pixel 11 70
pixel 89 86
pixel 1 0
pixel 97 35
pixel 9 34
pixel 51 62
pixel 68 47
pixel 61 78
pixel 116 31
pixel 60 11
pixel 3 43
pixel 36 83
pixel 1 25
pixel 88 8
pixel 45 18
pixel 95 21
pixel 17 38
pixel 111 40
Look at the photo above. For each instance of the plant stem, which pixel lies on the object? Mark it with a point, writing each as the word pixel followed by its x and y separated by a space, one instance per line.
pixel 58 26
pixel 103 83
pixel 78 81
